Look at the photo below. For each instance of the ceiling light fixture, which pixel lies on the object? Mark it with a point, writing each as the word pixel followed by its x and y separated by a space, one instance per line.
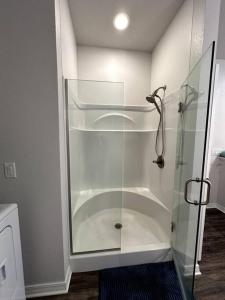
pixel 121 21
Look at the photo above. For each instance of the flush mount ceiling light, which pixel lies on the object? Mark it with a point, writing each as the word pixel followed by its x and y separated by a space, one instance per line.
pixel 121 21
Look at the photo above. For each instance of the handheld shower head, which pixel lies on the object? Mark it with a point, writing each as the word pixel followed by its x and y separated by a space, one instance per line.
pixel 151 99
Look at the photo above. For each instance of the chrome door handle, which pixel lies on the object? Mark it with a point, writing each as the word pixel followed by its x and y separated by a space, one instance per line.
pixel 195 202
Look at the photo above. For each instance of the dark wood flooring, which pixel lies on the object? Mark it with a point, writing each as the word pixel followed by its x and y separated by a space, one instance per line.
pixel 211 284
pixel 83 286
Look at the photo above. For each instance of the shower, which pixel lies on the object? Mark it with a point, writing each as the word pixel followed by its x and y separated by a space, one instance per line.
pixel 152 99
pixel 108 182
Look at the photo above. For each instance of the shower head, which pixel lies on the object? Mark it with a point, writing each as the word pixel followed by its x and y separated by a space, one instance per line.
pixel 151 98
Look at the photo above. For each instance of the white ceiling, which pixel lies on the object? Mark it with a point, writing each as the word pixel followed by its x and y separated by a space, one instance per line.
pixel 93 22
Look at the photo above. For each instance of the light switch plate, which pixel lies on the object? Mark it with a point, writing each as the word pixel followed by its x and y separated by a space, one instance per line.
pixel 10 169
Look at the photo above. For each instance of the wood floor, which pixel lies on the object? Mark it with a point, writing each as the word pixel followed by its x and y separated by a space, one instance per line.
pixel 211 284
pixel 83 286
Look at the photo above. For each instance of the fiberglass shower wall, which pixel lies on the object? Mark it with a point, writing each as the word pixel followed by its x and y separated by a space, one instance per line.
pixel 96 148
pixel 134 69
pixel 174 56
pixel 109 129
pixel 112 207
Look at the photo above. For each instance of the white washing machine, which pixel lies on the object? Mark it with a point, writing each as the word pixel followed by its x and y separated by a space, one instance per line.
pixel 11 267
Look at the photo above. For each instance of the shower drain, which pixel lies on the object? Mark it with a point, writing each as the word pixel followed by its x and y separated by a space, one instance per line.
pixel 118 226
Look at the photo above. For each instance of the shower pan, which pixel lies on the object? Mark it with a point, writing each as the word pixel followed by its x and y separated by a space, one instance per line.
pixel 112 206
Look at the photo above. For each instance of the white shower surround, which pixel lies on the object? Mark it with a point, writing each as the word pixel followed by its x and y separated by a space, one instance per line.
pixel 146 220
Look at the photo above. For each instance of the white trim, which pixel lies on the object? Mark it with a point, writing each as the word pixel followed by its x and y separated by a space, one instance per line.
pixel 49 289
pixel 68 278
pixel 211 205
pixel 216 205
pixel 220 207
pixel 188 270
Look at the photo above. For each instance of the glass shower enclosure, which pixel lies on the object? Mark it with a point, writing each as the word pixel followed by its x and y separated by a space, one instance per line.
pixel 192 189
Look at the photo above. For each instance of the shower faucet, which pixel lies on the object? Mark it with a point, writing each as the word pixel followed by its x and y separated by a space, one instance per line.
pixel 160 161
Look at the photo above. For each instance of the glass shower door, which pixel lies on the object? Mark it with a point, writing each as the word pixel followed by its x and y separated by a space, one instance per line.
pixel 191 189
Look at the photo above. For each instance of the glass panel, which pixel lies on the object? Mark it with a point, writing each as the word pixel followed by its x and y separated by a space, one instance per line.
pixel 96 149
pixel 191 137
pixel 197 34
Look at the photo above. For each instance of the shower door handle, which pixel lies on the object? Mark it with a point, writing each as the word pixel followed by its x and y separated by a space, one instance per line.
pixel 198 180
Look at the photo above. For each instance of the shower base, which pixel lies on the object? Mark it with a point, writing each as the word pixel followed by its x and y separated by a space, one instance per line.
pixel 98 232
pixel 151 253
pixel 143 238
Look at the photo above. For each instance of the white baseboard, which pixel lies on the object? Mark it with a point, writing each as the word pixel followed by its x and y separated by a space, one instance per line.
pixel 216 205
pixel 49 289
pixel 211 205
pixel 221 208
pixel 188 270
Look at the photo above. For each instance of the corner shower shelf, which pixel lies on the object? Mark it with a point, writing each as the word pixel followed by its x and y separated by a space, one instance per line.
pixel 86 195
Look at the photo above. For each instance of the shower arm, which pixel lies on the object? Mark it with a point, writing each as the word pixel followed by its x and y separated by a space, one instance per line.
pixel 155 93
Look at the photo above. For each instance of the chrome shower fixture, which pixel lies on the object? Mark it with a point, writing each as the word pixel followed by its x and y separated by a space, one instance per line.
pixel 152 99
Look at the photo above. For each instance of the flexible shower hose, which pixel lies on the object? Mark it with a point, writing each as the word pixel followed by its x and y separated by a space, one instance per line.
pixel 160 126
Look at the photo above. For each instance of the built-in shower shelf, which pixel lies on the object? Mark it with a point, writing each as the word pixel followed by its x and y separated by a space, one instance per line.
pixel 77 105
pixel 86 195
pixel 112 130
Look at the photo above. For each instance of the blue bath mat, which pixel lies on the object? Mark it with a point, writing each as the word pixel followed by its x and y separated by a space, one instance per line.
pixel 143 282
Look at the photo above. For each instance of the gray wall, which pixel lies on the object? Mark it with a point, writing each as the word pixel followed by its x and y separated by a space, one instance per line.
pixel 221 36
pixel 29 133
